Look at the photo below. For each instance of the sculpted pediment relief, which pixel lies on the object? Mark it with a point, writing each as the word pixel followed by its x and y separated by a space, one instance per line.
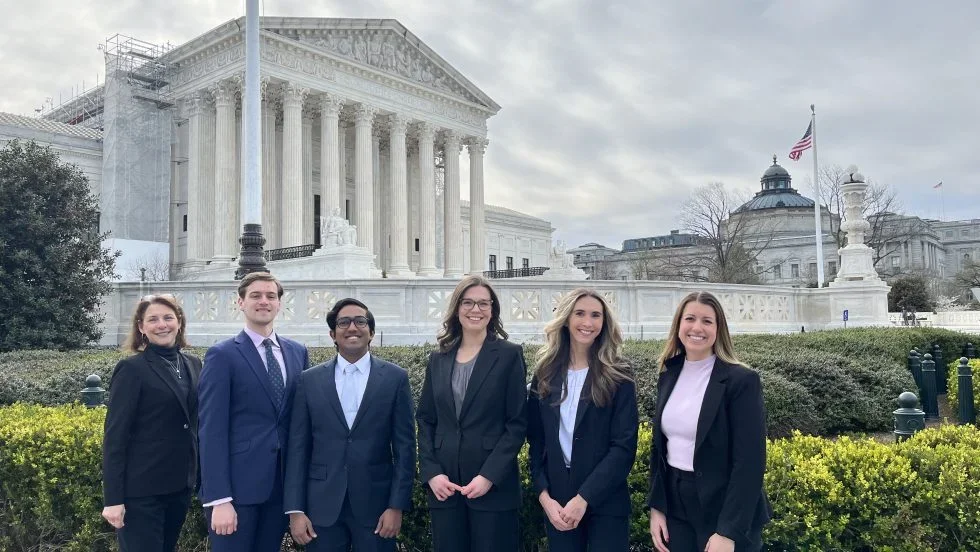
pixel 388 52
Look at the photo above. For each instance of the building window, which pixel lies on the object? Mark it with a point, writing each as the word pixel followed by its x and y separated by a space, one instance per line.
pixel 832 267
pixel 777 271
pixel 896 261
pixel 813 269
pixel 185 223
pixel 949 233
pixel 794 270
pixel 492 264
pixel 417 245
pixel 964 232
pixel 526 263
pixel 577 257
pixel 510 263
pixel 316 220
pixel 347 215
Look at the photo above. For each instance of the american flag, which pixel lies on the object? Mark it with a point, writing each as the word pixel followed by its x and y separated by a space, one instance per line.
pixel 804 144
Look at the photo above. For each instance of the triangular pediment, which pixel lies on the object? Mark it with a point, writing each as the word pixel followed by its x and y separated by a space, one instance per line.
pixel 383 45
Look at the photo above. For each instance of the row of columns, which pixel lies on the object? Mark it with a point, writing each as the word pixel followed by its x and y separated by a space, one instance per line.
pixel 287 217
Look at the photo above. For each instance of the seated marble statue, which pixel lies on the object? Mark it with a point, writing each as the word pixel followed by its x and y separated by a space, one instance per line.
pixel 337 231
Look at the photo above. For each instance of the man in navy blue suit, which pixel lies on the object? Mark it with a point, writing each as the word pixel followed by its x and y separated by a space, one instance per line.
pixel 246 395
pixel 351 459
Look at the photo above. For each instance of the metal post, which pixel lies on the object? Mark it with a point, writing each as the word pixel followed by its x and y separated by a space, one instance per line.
pixel 93 395
pixel 964 395
pixel 908 418
pixel 942 381
pixel 915 366
pixel 929 402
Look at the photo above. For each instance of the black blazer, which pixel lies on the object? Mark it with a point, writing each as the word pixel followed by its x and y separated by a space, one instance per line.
pixel 603 449
pixel 372 463
pixel 490 430
pixel 150 443
pixel 729 450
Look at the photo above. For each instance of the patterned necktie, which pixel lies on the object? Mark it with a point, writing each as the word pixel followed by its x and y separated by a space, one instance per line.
pixel 275 373
pixel 348 395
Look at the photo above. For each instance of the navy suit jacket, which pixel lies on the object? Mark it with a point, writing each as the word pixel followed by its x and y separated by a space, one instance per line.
pixel 372 462
pixel 729 450
pixel 241 430
pixel 603 449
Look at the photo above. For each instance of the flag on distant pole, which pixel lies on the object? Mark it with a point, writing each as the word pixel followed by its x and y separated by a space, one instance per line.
pixel 937 186
pixel 803 144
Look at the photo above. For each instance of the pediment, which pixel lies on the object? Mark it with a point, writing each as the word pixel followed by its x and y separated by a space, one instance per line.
pixel 385 46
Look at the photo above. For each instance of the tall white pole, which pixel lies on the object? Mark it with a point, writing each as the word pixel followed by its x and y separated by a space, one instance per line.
pixel 251 258
pixel 816 198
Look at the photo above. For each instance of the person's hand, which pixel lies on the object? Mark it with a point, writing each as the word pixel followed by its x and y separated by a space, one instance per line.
pixel 114 515
pixel 553 511
pixel 573 511
pixel 389 524
pixel 300 528
pixel 476 488
pixel 718 543
pixel 658 530
pixel 224 519
pixel 442 487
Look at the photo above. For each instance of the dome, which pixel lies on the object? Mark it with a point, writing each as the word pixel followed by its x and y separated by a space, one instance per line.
pixel 775 170
pixel 777 192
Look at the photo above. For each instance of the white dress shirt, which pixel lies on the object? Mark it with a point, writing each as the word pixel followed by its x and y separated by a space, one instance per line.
pixel 362 369
pixel 569 410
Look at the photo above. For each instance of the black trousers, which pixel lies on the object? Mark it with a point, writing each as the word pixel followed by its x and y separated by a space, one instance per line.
pixel 686 526
pixel 152 523
pixel 463 529
pixel 593 534
pixel 349 534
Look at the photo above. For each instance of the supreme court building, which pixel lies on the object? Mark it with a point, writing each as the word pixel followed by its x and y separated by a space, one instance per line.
pixel 360 119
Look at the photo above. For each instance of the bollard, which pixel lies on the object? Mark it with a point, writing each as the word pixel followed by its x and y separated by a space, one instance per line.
pixel 942 383
pixel 929 401
pixel 908 418
pixel 93 395
pixel 915 366
pixel 964 395
pixel 970 351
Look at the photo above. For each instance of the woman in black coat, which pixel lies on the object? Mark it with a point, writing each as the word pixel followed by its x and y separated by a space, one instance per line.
pixel 582 428
pixel 149 453
pixel 472 422
pixel 709 444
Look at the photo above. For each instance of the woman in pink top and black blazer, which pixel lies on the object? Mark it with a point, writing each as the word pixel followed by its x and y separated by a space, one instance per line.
pixel 709 445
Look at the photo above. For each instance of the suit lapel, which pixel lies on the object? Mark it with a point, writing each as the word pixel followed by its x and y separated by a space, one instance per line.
pixel 584 402
pixel 291 357
pixel 195 377
pixel 444 377
pixel 157 366
pixel 668 379
pixel 328 386
pixel 251 354
pixel 713 396
pixel 374 383
pixel 486 360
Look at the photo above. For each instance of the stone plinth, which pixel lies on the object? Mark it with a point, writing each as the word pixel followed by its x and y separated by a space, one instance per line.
pixel 564 274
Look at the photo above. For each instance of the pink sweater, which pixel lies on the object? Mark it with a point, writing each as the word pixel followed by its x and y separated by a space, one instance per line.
pixel 679 422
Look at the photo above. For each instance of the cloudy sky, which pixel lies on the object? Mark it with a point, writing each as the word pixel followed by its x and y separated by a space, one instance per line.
pixel 613 111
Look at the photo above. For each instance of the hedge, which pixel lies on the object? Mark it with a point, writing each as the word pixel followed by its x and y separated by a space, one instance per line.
pixel 820 383
pixel 843 494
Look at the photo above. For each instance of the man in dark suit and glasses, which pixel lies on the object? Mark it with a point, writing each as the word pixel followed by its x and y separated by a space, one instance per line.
pixel 246 395
pixel 351 459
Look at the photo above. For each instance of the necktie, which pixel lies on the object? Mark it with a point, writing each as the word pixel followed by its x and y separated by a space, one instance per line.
pixel 275 373
pixel 348 395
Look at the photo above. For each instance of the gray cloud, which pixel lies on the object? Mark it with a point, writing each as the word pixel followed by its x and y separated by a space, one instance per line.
pixel 614 111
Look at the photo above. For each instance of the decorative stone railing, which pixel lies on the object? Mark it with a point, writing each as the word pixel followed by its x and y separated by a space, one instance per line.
pixel 968 321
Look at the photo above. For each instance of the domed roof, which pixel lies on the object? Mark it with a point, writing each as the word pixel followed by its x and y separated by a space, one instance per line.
pixel 777 191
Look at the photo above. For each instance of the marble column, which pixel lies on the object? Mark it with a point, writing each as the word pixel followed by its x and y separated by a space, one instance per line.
pixel 226 189
pixel 330 196
pixel 307 176
pixel 427 201
pixel 414 224
pixel 291 213
pixel 478 225
pixel 342 168
pixel 205 152
pixel 398 263
pixel 376 196
pixel 197 216
pixel 452 225
pixel 364 176
pixel 270 170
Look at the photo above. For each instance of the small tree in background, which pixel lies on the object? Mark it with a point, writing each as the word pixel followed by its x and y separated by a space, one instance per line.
pixel 910 291
pixel 53 269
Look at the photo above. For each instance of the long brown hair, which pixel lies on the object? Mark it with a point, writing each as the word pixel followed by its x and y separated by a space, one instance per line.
pixel 607 369
pixel 452 331
pixel 136 341
pixel 723 347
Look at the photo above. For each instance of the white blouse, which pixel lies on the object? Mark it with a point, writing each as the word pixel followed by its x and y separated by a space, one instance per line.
pixel 569 409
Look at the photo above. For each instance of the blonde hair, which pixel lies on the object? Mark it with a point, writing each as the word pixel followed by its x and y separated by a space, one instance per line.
pixel 607 369
pixel 452 331
pixel 723 347
pixel 136 341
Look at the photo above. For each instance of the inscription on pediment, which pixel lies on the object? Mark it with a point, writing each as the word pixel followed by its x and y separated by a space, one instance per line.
pixel 390 53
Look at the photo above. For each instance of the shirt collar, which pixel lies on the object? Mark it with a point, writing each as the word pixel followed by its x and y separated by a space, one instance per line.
pixel 258 338
pixel 362 365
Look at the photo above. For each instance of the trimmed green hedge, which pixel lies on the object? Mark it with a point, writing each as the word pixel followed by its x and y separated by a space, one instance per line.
pixel 820 383
pixel 843 494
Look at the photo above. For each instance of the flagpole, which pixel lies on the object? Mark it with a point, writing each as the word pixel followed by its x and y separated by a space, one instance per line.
pixel 816 199
pixel 942 204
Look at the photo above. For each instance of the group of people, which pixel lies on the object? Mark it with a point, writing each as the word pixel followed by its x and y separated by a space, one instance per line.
pixel 329 452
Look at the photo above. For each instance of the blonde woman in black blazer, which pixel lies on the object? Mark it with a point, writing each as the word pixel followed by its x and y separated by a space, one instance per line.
pixel 150 451
pixel 582 428
pixel 472 422
pixel 709 446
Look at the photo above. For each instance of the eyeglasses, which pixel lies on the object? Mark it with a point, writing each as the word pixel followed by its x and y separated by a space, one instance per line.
pixel 483 305
pixel 151 297
pixel 359 321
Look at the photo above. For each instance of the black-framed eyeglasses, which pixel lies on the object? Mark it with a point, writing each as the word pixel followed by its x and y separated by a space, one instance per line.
pixel 483 304
pixel 359 321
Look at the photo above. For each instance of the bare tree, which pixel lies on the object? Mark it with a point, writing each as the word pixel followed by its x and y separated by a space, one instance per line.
pixel 730 243
pixel 969 277
pixel 157 269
